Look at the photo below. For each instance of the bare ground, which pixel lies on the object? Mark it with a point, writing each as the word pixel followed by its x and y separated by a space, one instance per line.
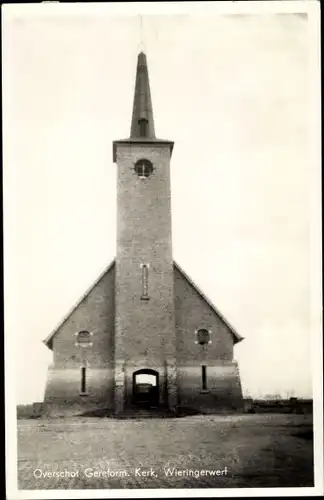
pixel 265 450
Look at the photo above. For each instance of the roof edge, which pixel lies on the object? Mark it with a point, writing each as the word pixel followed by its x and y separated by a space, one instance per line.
pixel 49 338
pixel 143 140
pixel 237 336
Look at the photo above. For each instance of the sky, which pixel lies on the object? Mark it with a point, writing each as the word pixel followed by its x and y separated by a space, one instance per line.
pixel 236 94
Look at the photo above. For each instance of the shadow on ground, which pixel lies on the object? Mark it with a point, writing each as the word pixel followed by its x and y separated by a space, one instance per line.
pixel 139 413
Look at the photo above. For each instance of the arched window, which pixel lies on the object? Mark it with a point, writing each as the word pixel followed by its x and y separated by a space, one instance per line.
pixel 203 336
pixel 143 168
pixel 83 338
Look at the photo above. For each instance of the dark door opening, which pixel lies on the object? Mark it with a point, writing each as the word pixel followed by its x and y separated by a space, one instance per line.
pixel 146 388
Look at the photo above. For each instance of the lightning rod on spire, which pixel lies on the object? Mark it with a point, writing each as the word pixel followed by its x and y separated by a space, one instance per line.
pixel 141 48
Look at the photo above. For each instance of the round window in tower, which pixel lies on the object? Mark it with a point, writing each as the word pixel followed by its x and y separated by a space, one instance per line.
pixel 203 336
pixel 143 168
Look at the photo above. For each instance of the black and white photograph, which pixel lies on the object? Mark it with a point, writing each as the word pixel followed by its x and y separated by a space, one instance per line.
pixel 162 249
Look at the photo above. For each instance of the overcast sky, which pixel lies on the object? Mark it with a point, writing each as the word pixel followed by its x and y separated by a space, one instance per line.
pixel 235 94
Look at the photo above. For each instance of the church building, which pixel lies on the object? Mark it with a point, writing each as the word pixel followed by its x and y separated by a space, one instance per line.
pixel 143 334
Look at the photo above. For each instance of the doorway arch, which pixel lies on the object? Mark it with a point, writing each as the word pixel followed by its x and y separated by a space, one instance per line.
pixel 146 388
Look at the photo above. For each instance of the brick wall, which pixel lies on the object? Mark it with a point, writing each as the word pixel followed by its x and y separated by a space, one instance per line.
pixel 223 387
pixel 94 313
pixel 64 385
pixel 144 328
pixel 130 333
pixel 223 381
pixel 193 312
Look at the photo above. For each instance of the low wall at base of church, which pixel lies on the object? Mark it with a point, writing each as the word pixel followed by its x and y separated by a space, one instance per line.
pixel 223 390
pixel 63 391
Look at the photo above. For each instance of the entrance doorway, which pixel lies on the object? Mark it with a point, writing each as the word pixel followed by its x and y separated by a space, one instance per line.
pixel 146 388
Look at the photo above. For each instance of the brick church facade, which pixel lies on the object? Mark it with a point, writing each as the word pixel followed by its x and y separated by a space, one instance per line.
pixel 144 334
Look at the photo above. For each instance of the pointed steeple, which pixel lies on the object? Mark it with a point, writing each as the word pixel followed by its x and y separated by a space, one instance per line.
pixel 142 127
pixel 142 119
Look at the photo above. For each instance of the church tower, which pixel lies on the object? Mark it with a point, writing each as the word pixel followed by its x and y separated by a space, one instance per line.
pixel 144 334
pixel 144 282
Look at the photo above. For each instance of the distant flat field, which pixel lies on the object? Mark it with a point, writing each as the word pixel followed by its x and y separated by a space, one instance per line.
pixel 214 451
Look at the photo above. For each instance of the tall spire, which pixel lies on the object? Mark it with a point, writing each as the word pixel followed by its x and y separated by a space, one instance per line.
pixel 142 119
pixel 142 128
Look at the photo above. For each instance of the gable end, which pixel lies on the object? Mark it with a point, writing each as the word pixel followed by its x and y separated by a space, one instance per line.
pixel 236 337
pixel 49 340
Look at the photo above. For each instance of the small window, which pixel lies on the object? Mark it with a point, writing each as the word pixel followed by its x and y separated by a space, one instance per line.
pixel 204 377
pixel 83 338
pixel 83 380
pixel 145 269
pixel 143 168
pixel 143 127
pixel 203 336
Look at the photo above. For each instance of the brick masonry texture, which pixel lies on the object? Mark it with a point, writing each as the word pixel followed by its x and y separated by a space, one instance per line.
pixel 145 329
pixel 129 333
pixel 94 313
pixel 144 237
pixel 191 312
